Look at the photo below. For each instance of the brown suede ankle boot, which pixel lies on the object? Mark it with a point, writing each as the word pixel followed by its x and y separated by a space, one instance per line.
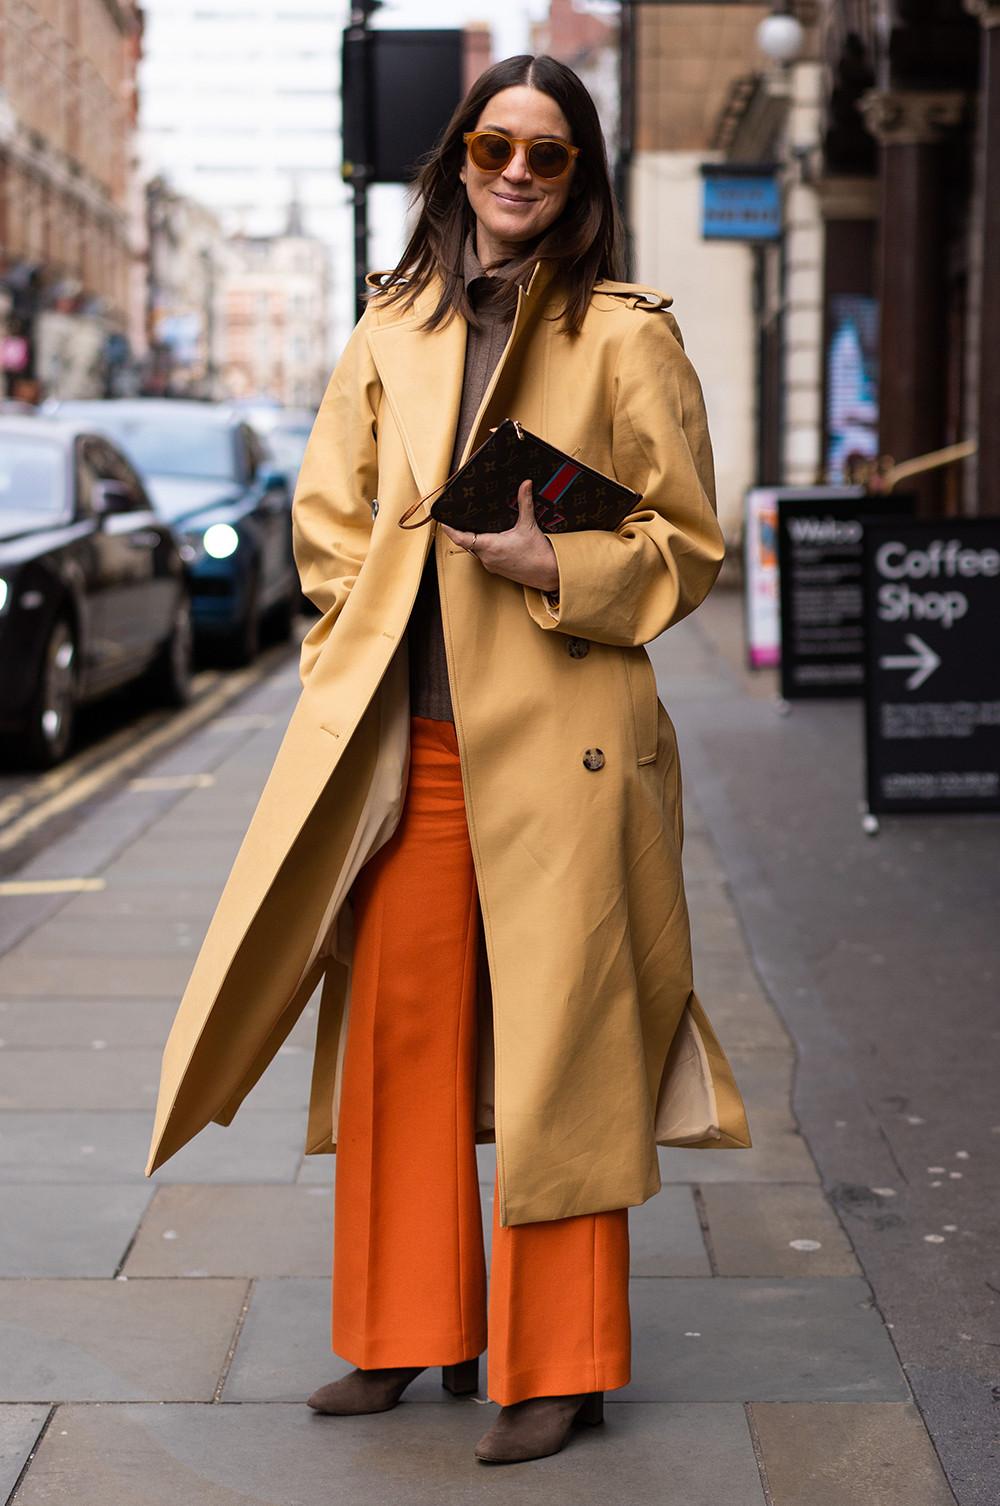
pixel 538 1426
pixel 364 1391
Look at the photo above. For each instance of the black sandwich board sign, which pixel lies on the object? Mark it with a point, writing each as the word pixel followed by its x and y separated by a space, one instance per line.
pixel 820 568
pixel 932 701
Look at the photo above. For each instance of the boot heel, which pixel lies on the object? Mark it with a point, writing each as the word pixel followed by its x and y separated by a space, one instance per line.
pixel 592 1410
pixel 462 1378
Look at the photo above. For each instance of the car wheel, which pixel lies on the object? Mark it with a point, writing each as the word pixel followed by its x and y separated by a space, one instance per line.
pixel 242 645
pixel 283 617
pixel 170 673
pixel 48 729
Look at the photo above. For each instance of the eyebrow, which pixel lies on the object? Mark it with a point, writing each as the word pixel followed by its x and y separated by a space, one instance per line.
pixel 545 135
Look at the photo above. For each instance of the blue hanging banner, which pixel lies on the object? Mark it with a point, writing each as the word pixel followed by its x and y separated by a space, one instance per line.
pixel 740 205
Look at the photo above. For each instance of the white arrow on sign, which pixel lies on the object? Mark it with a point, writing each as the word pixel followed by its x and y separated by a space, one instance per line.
pixel 923 661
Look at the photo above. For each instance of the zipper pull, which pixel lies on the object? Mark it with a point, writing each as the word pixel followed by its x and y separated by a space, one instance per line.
pixel 517 428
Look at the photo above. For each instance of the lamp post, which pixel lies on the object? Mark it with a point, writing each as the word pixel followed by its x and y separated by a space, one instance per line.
pixel 781 36
pixel 357 99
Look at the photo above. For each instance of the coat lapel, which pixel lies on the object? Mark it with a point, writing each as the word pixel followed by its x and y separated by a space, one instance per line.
pixel 422 373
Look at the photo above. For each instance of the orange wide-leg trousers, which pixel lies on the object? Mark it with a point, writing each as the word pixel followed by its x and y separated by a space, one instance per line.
pixel 409 1276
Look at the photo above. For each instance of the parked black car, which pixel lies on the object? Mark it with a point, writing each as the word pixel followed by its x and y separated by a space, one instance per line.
pixel 93 589
pixel 215 480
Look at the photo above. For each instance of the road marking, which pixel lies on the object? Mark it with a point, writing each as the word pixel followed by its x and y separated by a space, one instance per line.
pixel 171 781
pixel 50 783
pixel 66 795
pixel 50 886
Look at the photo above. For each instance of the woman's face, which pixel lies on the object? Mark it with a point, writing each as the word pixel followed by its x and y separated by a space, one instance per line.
pixel 515 205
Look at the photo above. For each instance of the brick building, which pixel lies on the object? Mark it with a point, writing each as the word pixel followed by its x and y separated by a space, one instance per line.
pixel 274 312
pixel 67 117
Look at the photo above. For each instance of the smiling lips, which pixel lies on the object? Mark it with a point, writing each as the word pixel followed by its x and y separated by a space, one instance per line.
pixel 508 198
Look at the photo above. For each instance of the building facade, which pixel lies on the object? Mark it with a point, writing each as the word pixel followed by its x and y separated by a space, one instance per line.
pixel 878 315
pixel 275 318
pixel 185 262
pixel 240 110
pixel 687 59
pixel 67 119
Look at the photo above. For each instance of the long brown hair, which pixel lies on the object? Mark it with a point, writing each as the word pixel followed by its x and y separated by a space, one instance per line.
pixel 586 241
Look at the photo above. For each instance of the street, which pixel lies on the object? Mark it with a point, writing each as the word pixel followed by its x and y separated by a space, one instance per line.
pixel 814 1320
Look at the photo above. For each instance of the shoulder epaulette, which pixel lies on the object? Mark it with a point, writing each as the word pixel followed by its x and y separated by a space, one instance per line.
pixel 382 279
pixel 635 294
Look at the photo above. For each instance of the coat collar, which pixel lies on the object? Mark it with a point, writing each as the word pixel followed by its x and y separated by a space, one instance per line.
pixel 422 372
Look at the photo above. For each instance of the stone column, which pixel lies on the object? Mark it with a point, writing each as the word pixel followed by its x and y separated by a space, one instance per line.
pixel 986 498
pixel 802 437
pixel 912 127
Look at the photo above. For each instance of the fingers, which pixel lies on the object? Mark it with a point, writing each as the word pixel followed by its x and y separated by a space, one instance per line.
pixel 525 504
pixel 459 536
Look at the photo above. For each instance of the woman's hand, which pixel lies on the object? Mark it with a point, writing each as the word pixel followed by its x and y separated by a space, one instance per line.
pixel 522 553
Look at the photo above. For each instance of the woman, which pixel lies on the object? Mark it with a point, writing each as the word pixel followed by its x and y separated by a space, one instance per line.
pixel 472 831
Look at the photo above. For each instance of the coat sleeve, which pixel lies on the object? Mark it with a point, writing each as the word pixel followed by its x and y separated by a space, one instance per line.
pixel 626 587
pixel 332 505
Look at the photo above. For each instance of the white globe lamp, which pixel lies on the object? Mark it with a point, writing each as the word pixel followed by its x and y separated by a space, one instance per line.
pixel 781 38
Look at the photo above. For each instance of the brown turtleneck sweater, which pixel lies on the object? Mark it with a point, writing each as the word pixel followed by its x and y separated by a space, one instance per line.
pixel 430 694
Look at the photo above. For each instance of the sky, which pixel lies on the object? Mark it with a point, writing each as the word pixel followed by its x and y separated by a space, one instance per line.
pixel 240 125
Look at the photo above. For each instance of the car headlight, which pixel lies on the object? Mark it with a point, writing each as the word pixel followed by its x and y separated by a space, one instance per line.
pixel 221 540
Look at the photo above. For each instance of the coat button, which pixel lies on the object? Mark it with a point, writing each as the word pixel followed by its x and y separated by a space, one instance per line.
pixel 593 759
pixel 578 648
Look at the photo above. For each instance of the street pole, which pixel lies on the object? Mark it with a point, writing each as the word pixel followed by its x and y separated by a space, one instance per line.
pixel 626 124
pixel 359 172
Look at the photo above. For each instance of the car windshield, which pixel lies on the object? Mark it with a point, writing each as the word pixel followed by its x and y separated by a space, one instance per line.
pixel 32 475
pixel 164 446
pixel 289 446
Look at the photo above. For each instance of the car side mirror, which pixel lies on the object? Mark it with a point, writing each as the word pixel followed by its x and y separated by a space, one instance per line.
pixel 109 496
pixel 271 479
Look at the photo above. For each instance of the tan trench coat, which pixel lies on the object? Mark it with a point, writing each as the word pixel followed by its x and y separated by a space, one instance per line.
pixel 593 1044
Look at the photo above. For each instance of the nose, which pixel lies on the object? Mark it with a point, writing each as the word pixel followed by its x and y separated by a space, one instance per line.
pixel 517 169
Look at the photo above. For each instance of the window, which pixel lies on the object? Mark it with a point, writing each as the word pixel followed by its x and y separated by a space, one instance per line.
pixel 104 463
pixel 32 478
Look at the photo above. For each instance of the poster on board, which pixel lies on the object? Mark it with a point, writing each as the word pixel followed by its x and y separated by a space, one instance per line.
pixel 820 568
pixel 762 621
pixel 932 685
pixel 760 577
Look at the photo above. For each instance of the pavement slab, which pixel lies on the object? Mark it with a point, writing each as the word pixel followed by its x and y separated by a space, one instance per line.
pixel 665 1236
pixel 646 1455
pixel 193 901
pixel 853 1454
pixel 778 1154
pixel 63 1023
pixel 19 1430
pixel 67 1231
pixel 780 1230
pixel 143 936
pixel 284 1351
pixel 113 1147
pixel 235 1231
pixel 32 976
pixel 741 1339
pixel 109 1078
pixel 116 1340
pixel 317 1171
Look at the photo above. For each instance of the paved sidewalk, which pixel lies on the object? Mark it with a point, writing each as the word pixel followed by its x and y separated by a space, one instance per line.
pixel 763 1370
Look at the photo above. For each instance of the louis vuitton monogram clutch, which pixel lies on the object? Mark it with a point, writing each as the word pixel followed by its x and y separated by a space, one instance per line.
pixel 481 496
